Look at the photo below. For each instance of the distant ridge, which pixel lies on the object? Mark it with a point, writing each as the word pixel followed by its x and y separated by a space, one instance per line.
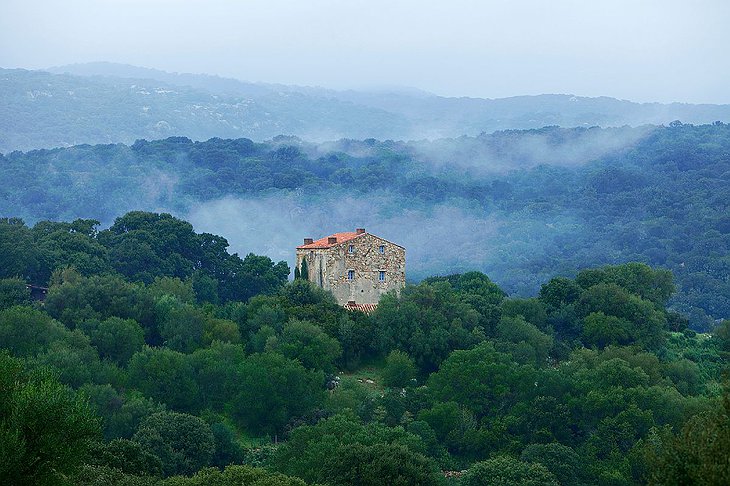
pixel 111 103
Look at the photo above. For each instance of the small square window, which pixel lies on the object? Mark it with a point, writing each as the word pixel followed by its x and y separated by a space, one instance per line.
pixel 351 249
pixel 351 275
pixel 381 249
pixel 381 276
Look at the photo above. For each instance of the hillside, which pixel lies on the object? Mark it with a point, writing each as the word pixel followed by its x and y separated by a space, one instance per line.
pixel 160 359
pixel 521 206
pixel 109 103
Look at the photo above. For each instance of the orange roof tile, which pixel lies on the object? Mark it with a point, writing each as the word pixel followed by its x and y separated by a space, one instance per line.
pixel 324 242
pixel 364 308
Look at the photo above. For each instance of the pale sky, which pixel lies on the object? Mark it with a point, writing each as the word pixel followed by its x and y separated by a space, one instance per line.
pixel 641 50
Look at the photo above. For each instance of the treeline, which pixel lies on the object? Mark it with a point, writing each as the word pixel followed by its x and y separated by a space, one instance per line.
pixel 139 246
pixel 561 199
pixel 144 378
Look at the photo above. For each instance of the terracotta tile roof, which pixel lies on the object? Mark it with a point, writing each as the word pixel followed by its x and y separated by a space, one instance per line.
pixel 364 308
pixel 323 242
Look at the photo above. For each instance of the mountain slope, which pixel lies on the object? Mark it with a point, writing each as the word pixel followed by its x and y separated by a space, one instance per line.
pixel 105 103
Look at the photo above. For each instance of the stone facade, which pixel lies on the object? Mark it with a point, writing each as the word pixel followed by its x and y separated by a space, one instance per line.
pixel 356 267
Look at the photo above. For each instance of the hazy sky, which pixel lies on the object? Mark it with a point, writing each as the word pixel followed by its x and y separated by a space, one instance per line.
pixel 653 50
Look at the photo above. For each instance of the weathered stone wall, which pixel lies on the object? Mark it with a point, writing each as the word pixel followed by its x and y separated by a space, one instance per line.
pixel 328 268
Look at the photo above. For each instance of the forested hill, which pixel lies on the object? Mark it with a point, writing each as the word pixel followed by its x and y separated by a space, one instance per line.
pixel 103 103
pixel 159 359
pixel 522 206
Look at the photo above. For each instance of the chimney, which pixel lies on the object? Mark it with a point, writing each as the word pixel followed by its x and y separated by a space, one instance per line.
pixel 332 240
pixel 308 241
pixel 350 302
pixel 360 231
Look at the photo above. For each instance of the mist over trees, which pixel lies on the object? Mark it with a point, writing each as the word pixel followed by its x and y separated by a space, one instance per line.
pixel 522 206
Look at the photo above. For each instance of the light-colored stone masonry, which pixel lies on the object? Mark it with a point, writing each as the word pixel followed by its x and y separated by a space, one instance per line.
pixel 350 265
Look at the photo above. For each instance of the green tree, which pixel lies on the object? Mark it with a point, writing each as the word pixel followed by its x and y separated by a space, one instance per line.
pixel 562 461
pixel 696 455
pixel 13 291
pixel 312 448
pixel 234 476
pixel 482 379
pixel 115 338
pixel 166 376
pixel 273 390
pixel 309 344
pixel 127 456
pixel 506 471
pixel 184 443
pixel 379 464
pixel 399 370
pixel 46 429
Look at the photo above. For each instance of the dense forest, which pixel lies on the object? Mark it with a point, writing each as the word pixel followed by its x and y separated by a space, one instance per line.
pixel 159 358
pixel 107 103
pixel 521 206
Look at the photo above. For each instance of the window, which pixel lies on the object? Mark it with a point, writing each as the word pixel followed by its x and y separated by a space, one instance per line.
pixel 351 275
pixel 351 249
pixel 381 276
pixel 381 249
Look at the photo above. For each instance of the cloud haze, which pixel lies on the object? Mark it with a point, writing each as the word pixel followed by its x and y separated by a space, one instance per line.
pixel 653 50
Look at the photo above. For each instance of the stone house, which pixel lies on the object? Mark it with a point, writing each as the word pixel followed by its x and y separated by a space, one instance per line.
pixel 357 267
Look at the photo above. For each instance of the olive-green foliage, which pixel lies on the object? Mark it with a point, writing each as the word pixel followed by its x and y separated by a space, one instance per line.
pixel 374 465
pixel 16 246
pixel 90 475
pixel 426 321
pixel 68 245
pixel 562 461
pixel 523 340
pixel 13 291
pixel 531 310
pixel 227 448
pixel 722 335
pixel 115 338
pixel 181 325
pixel 127 456
pixel 399 370
pixel 166 376
pixel 695 455
pixel 653 284
pixel 558 292
pixel 46 429
pixel 477 290
pixel 639 319
pixel 101 297
pixel 309 344
pixel 174 286
pixel 272 390
pixel 27 332
pixel 313 453
pixel 121 412
pixel 482 379
pixel 184 443
pixel 506 471
pixel 234 476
